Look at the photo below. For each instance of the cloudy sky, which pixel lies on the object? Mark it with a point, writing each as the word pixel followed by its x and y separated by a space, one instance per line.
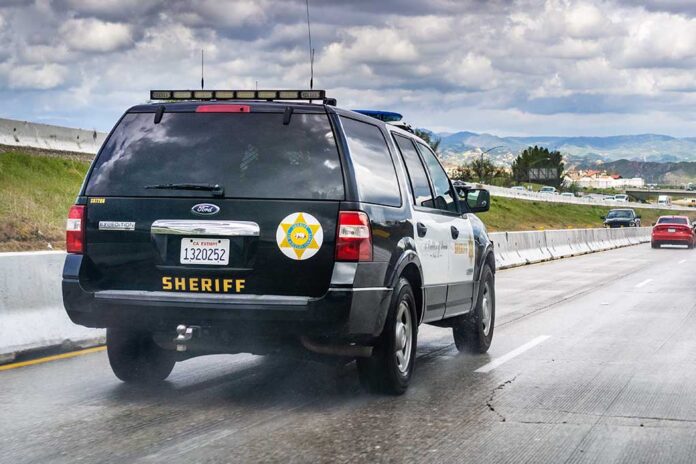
pixel 510 68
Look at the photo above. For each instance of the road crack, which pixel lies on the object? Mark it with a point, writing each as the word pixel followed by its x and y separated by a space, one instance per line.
pixel 489 402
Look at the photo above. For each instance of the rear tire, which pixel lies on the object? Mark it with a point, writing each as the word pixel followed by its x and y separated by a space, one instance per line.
pixel 136 358
pixel 655 244
pixel 390 367
pixel 475 334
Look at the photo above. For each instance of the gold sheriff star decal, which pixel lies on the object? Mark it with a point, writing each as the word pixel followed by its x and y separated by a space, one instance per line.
pixel 299 236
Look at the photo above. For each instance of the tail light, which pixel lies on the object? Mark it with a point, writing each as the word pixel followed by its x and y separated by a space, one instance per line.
pixel 75 230
pixel 354 238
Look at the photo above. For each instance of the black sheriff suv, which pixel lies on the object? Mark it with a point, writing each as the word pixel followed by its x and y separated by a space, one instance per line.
pixel 255 221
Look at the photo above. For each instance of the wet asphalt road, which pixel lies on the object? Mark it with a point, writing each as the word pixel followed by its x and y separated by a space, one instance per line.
pixel 604 372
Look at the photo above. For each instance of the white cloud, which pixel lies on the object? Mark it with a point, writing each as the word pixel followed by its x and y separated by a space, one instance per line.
pixel 660 40
pixel 518 65
pixel 93 35
pixel 37 77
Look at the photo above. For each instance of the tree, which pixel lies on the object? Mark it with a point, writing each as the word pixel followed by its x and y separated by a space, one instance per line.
pixel 483 171
pixel 462 172
pixel 533 158
pixel 430 139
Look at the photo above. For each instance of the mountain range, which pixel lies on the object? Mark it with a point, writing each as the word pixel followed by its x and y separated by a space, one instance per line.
pixel 460 146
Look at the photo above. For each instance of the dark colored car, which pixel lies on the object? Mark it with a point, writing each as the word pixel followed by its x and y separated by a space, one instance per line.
pixel 274 228
pixel 621 217
pixel 673 230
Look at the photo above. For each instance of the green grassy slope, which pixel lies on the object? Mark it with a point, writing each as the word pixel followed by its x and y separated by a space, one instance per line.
pixel 513 214
pixel 35 195
pixel 37 191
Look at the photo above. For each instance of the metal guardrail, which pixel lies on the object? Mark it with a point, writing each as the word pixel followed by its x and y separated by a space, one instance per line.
pixel 550 198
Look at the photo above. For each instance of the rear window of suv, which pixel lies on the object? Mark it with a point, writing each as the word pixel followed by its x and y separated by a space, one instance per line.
pixel 251 155
pixel 673 220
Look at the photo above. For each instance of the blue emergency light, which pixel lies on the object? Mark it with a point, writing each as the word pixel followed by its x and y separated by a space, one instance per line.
pixel 386 116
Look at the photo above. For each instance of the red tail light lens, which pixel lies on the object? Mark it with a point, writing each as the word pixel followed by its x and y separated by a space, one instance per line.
pixel 354 237
pixel 223 109
pixel 75 230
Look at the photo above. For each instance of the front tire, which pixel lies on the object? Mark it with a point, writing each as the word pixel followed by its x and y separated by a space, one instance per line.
pixel 474 335
pixel 136 358
pixel 390 367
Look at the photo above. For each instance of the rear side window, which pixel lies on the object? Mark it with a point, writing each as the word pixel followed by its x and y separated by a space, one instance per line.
pixel 251 155
pixel 673 220
pixel 420 187
pixel 444 196
pixel 374 168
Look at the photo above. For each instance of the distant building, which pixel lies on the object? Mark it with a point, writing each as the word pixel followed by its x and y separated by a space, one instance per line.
pixel 600 179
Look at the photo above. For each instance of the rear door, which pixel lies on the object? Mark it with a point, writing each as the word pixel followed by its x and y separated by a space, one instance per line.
pixel 460 250
pixel 270 230
pixel 431 234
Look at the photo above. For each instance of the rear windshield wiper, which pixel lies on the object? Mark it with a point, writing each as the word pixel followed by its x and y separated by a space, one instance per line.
pixel 216 189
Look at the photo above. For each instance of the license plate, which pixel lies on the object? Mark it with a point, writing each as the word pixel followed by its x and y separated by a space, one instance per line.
pixel 211 251
pixel 671 230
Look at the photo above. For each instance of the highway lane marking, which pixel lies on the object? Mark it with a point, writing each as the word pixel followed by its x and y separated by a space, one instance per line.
pixel 682 261
pixel 55 357
pixel 512 354
pixel 643 283
pixel 32 253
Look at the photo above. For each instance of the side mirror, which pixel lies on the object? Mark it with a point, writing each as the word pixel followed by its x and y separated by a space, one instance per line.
pixel 602 217
pixel 476 201
pixel 637 216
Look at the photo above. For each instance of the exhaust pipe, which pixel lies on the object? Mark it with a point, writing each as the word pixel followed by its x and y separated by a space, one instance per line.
pixel 349 351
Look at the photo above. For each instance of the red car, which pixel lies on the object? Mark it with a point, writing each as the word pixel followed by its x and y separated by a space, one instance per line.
pixel 673 230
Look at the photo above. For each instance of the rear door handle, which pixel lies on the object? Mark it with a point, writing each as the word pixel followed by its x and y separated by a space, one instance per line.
pixel 455 232
pixel 422 230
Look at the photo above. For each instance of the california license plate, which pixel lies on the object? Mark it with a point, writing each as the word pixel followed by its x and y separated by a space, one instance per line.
pixel 671 230
pixel 211 251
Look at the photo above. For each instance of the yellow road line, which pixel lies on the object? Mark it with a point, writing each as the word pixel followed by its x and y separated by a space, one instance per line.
pixel 55 357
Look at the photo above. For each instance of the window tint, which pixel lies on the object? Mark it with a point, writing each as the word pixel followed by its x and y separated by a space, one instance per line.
pixel 250 155
pixel 673 220
pixel 374 168
pixel 416 172
pixel 620 213
pixel 444 197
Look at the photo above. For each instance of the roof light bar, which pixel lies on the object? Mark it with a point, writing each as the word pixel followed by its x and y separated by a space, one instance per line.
pixel 238 95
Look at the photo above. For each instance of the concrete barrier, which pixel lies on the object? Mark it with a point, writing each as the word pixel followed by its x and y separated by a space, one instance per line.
pixel 505 253
pixel 48 137
pixel 31 306
pixel 519 248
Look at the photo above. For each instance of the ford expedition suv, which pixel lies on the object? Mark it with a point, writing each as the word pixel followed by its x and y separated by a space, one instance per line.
pixel 250 222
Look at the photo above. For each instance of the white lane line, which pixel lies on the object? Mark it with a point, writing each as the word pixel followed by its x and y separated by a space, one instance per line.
pixel 512 354
pixel 682 261
pixel 643 283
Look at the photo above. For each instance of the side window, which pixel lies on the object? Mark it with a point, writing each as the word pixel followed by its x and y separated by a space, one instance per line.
pixel 374 168
pixel 444 196
pixel 416 172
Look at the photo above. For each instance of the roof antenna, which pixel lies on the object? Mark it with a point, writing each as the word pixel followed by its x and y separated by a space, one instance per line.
pixel 202 80
pixel 311 50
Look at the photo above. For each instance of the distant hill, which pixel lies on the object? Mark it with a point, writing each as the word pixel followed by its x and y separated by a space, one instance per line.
pixel 654 173
pixel 460 146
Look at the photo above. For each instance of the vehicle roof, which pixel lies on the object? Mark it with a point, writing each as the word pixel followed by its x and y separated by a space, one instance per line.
pixel 269 106
pixel 673 217
pixel 191 105
pixel 622 209
pixel 188 106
